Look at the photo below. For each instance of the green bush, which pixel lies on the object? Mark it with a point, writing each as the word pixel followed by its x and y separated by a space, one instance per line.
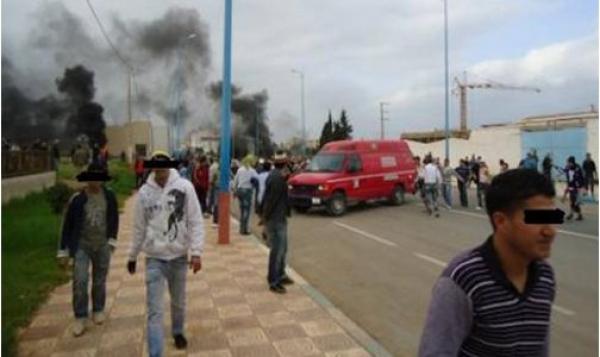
pixel 30 233
pixel 58 196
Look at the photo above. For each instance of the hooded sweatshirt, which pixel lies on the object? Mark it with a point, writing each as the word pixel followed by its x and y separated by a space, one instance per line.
pixel 168 221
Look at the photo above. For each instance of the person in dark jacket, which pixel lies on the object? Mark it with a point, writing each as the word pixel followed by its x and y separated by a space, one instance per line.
pixel 464 173
pixel 89 236
pixel 589 172
pixel 275 211
pixel 574 184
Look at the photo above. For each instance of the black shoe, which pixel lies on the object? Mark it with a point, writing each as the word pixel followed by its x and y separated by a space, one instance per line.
pixel 286 281
pixel 437 215
pixel 278 289
pixel 180 342
pixel 579 218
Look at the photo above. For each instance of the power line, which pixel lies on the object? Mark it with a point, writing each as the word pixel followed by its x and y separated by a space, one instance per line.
pixel 114 48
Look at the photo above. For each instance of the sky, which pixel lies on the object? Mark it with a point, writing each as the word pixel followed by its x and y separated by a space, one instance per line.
pixel 356 54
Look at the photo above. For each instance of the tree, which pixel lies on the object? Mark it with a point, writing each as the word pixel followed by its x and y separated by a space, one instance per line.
pixel 327 132
pixel 345 127
pixel 342 130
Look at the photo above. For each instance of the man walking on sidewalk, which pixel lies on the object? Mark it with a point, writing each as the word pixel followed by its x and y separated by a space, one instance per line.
pixel 275 211
pixel 575 183
pixel 243 188
pixel 89 235
pixel 432 180
pixel 168 224
pixel 496 299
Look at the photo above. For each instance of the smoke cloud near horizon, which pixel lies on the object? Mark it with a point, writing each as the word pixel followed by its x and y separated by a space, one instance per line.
pixel 170 58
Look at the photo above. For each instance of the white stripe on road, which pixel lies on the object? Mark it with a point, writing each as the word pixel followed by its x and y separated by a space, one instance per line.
pixel 365 234
pixel 442 264
pixel 575 234
pixel 430 259
pixel 562 310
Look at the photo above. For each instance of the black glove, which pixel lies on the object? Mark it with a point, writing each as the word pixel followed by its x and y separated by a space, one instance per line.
pixel 131 267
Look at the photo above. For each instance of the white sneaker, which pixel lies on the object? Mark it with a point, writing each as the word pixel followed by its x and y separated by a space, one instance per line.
pixel 78 327
pixel 99 318
pixel 478 208
pixel 214 225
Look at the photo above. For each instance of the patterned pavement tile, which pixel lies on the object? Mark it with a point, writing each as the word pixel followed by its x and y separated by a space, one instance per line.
pixel 207 342
pixel 276 319
pixel 283 332
pixel 337 342
pixel 226 312
pixel 247 337
pixel 241 322
pixel 42 332
pixel 321 327
pixel 300 304
pixel 265 350
pixel 296 347
pixel 215 353
pixel 122 337
pixel 357 352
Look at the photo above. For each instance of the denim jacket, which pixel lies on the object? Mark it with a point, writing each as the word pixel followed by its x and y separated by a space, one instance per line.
pixel 74 219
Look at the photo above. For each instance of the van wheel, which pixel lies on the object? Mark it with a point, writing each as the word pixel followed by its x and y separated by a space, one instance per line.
pixel 397 198
pixel 337 204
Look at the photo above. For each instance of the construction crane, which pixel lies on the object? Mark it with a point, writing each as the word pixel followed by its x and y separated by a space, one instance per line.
pixel 461 89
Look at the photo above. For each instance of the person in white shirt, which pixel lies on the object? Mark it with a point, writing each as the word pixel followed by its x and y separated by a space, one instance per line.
pixel 432 179
pixel 242 189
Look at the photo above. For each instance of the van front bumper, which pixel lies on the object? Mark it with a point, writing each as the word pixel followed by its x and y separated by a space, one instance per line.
pixel 307 201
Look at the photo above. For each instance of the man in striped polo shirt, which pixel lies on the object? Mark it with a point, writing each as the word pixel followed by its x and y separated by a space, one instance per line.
pixel 496 299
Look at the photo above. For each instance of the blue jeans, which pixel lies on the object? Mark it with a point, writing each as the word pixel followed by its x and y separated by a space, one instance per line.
pixel 431 196
pixel 157 272
pixel 100 260
pixel 277 233
pixel 447 192
pixel 212 197
pixel 245 198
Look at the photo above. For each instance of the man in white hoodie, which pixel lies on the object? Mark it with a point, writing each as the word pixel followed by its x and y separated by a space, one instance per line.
pixel 168 224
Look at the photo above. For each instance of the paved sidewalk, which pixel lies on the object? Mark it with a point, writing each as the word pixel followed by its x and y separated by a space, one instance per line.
pixel 230 311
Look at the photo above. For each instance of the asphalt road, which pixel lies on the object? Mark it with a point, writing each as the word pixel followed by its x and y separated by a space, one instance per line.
pixel 378 265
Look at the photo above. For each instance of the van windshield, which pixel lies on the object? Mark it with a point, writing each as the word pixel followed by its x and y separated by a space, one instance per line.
pixel 326 163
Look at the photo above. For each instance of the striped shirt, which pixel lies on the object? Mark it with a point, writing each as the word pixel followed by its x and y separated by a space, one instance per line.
pixel 476 311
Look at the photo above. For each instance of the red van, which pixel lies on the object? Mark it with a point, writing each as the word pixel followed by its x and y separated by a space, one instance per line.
pixel 349 171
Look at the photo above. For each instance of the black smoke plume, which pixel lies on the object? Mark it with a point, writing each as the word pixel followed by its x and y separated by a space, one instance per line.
pixel 252 124
pixel 86 115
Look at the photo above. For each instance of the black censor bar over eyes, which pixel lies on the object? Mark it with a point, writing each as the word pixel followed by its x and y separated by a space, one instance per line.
pixel 161 164
pixel 544 216
pixel 92 176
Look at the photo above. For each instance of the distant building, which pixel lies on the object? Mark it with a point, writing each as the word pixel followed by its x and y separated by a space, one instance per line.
pixel 207 140
pixel 561 135
pixel 136 138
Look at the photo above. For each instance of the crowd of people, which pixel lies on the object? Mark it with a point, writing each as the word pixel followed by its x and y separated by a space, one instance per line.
pixel 433 178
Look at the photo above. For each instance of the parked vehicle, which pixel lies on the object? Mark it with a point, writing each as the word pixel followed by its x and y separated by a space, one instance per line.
pixel 348 172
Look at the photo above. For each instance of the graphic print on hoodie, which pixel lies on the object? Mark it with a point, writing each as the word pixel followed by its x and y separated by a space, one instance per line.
pixel 168 220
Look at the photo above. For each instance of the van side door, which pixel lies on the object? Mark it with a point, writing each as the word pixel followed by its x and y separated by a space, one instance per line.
pixel 357 188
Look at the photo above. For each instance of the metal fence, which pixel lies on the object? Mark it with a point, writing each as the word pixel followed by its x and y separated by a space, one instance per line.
pixel 20 163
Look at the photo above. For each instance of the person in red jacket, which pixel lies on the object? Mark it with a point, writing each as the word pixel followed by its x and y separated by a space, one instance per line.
pixel 201 180
pixel 139 172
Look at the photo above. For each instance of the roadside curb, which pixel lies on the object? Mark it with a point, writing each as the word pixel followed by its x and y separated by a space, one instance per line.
pixel 355 331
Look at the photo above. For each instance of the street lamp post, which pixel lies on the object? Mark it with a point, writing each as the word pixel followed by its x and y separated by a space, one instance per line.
pixel 302 109
pixel 446 89
pixel 225 154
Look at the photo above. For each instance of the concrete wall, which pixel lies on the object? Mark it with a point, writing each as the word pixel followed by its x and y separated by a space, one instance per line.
pixel 592 139
pixel 125 137
pixel 492 144
pixel 20 186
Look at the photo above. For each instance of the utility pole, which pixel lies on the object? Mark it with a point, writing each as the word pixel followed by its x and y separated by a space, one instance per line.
pixel 225 160
pixel 382 113
pixel 446 88
pixel 302 109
